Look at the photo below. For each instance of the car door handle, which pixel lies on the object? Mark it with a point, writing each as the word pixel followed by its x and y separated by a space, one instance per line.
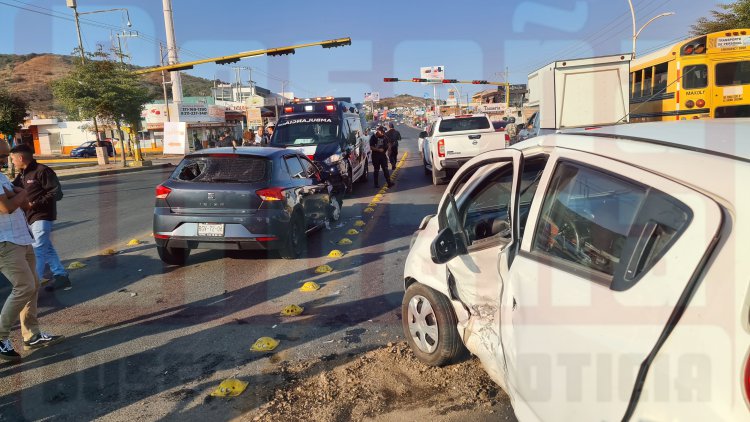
pixel 475 136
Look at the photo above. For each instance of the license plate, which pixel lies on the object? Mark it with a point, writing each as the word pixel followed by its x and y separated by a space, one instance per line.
pixel 210 229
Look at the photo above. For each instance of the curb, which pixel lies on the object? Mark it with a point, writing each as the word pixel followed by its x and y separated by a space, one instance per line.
pixel 113 172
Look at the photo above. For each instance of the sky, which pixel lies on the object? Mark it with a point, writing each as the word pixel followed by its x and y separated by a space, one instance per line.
pixel 472 39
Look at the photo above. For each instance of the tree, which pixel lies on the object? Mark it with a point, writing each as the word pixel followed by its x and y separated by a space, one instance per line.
pixel 12 113
pixel 728 16
pixel 103 88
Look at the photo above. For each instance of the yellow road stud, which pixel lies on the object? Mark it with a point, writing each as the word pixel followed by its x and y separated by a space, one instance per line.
pixel 359 223
pixel 292 310
pixel 76 265
pixel 264 344
pixel 352 232
pixel 324 269
pixel 369 210
pixel 345 241
pixel 134 242
pixel 230 388
pixel 109 252
pixel 310 286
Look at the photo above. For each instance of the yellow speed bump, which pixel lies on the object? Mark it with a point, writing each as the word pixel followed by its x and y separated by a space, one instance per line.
pixel 292 310
pixel 323 269
pixel 379 196
pixel 264 344
pixel 310 286
pixel 345 241
pixel 335 254
pixel 359 223
pixel 109 252
pixel 372 205
pixel 230 388
pixel 352 232
pixel 376 199
pixel 76 265
pixel 134 242
pixel 369 210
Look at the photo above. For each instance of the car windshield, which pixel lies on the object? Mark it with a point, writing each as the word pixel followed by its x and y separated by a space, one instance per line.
pixel 464 123
pixel 87 144
pixel 306 131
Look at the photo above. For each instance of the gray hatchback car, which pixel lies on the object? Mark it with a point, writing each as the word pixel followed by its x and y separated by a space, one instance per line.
pixel 249 198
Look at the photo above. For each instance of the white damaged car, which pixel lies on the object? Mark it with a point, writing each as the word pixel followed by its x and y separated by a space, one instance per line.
pixel 597 276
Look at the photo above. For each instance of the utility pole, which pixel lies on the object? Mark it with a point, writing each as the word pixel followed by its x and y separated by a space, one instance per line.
pixel 172 51
pixel 164 81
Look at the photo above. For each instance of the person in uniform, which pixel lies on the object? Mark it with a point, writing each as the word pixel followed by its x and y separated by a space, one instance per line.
pixel 379 147
pixel 393 137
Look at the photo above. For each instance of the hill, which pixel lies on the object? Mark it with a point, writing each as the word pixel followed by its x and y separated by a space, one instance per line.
pixel 29 76
pixel 405 100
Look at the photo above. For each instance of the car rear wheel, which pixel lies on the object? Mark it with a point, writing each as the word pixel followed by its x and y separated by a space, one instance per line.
pixel 429 324
pixel 173 256
pixel 437 180
pixel 295 241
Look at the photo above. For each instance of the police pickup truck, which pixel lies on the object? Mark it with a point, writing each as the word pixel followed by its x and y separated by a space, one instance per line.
pixel 454 140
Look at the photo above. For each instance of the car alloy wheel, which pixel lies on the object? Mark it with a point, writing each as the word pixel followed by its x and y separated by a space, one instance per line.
pixel 422 324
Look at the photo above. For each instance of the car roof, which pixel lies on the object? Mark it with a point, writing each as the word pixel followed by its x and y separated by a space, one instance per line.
pixel 268 152
pixel 722 137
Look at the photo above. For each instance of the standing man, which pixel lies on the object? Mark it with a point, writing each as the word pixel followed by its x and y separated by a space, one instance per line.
pixel 393 137
pixel 378 146
pixel 17 264
pixel 43 190
pixel 263 136
pixel 271 127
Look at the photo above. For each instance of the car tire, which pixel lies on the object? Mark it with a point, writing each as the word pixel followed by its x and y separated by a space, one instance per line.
pixel 365 172
pixel 437 180
pixel 173 256
pixel 294 244
pixel 429 324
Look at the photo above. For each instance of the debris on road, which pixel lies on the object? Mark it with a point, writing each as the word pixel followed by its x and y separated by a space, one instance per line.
pixel 230 388
pixel 388 383
pixel 264 344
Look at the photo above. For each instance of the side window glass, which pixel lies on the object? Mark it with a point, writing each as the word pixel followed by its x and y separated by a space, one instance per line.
pixel 695 77
pixel 351 136
pixel 661 72
pixel 586 218
pixel 485 213
pixel 294 167
pixel 309 168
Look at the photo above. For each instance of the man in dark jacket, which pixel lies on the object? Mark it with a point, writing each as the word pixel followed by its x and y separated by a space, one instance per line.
pixel 43 190
pixel 393 137
pixel 379 146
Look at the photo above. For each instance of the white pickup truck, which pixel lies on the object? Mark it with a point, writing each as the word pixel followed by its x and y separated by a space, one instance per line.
pixel 454 140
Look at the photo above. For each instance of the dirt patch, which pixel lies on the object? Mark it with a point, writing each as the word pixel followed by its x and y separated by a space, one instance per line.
pixel 383 385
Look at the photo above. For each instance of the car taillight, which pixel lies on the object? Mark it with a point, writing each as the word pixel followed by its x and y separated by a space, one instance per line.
pixel 288 109
pixel 700 103
pixel 271 194
pixel 441 148
pixel 162 192
pixel 689 104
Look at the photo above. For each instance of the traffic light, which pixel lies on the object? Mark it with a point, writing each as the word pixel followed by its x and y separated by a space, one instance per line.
pixel 450 81
pixel 280 52
pixel 480 82
pixel 227 61
pixel 337 43
pixel 390 79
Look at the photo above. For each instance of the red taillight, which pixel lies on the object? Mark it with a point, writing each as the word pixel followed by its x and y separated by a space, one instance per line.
pixel 689 104
pixel 330 107
pixel 441 148
pixel 310 156
pixel 700 103
pixel 271 194
pixel 266 239
pixel 507 138
pixel 160 236
pixel 288 109
pixel 162 192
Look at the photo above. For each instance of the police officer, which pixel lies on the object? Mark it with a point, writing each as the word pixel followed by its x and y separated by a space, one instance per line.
pixel 379 146
pixel 393 137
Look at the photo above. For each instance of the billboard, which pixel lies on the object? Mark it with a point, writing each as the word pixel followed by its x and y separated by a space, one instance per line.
pixel 175 138
pixel 432 72
pixel 372 97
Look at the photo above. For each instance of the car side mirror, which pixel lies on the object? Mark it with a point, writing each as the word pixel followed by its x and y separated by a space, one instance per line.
pixel 446 246
pixel 423 134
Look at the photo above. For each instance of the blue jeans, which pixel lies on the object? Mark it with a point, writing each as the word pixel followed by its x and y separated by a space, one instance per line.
pixel 44 251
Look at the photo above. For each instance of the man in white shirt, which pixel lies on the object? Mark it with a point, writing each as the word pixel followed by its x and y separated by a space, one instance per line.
pixel 17 263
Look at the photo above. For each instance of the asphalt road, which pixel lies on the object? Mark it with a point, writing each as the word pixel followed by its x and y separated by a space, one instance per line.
pixel 146 341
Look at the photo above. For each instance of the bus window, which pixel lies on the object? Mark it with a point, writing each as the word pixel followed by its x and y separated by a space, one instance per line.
pixel 695 77
pixel 647 72
pixel 736 73
pixel 637 84
pixel 661 72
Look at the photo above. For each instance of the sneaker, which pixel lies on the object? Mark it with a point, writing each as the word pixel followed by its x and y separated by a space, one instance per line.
pixel 41 340
pixel 7 353
pixel 59 282
pixel 390 184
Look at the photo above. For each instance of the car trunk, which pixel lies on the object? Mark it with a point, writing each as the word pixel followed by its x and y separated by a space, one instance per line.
pixel 218 184
pixel 467 137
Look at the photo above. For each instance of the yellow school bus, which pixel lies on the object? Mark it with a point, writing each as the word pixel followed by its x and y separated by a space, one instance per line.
pixel 701 78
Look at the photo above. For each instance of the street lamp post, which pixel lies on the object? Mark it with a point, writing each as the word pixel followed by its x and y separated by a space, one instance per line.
pixel 638 32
